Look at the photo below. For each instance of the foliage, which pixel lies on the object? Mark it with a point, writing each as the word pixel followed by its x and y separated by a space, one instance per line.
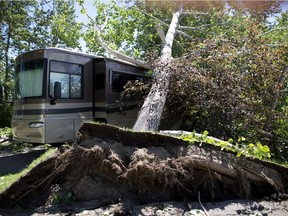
pixel 240 147
pixel 227 85
pixel 135 91
pixel 260 10
pixel 14 25
pixel 281 121
pixel 5 115
pixel 64 28
pixel 140 20
pixel 6 132
pixel 109 22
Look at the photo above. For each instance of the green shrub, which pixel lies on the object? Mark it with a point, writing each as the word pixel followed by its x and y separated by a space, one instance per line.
pixel 6 111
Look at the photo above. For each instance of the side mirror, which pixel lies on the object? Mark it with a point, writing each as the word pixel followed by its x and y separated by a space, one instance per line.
pixel 57 90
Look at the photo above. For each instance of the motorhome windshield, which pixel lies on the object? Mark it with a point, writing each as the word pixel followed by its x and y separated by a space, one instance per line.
pixel 30 77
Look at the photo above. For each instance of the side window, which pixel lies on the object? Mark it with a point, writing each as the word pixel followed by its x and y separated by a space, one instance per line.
pixel 120 79
pixel 70 75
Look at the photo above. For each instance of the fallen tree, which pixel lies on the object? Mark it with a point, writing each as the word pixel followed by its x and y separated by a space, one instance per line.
pixel 109 164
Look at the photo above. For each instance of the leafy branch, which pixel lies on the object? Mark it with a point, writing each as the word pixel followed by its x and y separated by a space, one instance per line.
pixel 240 147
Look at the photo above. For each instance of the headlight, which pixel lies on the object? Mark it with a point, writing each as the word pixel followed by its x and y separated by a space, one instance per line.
pixel 35 124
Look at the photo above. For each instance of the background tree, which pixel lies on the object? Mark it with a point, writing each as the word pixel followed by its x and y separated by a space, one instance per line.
pixel 53 23
pixel 28 25
pixel 14 23
pixel 14 28
pixel 232 88
pixel 239 84
pixel 64 29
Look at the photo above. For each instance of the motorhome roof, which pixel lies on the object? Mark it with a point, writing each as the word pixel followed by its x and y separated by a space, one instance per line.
pixel 83 54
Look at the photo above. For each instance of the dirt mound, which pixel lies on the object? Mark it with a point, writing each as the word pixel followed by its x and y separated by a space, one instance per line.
pixel 108 165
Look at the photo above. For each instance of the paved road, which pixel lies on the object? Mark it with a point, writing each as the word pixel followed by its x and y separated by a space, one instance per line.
pixel 14 163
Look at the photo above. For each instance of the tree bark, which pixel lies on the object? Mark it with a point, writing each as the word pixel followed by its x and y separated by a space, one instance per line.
pixel 279 84
pixel 275 98
pixel 150 114
pixel 6 77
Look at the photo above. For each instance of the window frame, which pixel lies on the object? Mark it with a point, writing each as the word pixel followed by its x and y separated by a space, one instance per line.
pixel 81 75
pixel 125 73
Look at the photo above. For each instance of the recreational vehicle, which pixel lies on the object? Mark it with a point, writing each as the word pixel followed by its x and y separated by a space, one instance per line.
pixel 56 90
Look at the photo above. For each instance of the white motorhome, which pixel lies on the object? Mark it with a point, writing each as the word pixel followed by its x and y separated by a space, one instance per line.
pixel 57 90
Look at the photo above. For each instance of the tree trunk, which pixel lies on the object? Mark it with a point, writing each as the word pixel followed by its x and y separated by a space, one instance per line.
pixel 6 77
pixel 150 114
pixel 275 98
pixel 118 54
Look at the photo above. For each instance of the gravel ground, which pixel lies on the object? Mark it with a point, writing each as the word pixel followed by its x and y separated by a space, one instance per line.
pixel 230 207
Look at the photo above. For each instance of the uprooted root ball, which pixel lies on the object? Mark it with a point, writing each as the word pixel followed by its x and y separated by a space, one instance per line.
pixel 99 168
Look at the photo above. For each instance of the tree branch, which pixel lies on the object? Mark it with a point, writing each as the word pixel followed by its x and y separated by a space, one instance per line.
pixel 272 30
pixel 198 28
pixel 185 35
pixel 277 45
pixel 111 51
pixel 163 23
pixel 278 85
pixel 267 134
pixel 118 54
pixel 169 39
pixel 160 33
pixel 188 27
pixel 194 13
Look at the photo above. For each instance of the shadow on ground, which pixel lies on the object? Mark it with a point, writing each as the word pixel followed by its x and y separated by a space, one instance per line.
pixel 14 163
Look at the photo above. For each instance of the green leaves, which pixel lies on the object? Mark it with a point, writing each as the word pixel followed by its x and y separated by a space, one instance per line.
pixel 121 28
pixel 64 28
pixel 240 148
pixel 230 83
pixel 15 34
pixel 258 151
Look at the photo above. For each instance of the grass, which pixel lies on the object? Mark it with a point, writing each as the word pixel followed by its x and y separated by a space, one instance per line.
pixel 7 180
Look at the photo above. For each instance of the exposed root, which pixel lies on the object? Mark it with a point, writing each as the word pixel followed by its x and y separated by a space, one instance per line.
pixel 199 200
